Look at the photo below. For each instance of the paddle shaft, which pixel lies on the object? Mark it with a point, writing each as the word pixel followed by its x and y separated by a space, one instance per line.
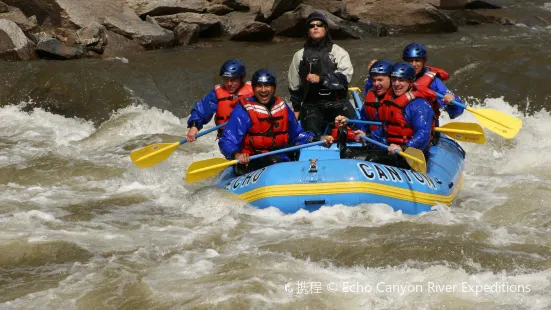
pixel 357 121
pixel 202 133
pixel 235 161
pixel 473 111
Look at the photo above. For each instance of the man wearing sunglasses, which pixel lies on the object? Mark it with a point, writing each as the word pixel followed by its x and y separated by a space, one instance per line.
pixel 318 78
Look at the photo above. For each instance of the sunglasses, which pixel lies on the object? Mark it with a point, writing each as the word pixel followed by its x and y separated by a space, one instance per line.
pixel 319 25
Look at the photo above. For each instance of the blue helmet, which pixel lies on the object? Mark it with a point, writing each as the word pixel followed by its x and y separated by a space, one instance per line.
pixel 381 67
pixel 264 76
pixel 414 50
pixel 233 68
pixel 403 70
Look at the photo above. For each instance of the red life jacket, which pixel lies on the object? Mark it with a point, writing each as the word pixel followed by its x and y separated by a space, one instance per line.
pixel 269 129
pixel 426 79
pixel 396 129
pixel 432 72
pixel 372 105
pixel 227 101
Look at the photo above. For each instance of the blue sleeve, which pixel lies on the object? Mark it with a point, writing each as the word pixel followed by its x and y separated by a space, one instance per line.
pixel 368 85
pixel 203 110
pixel 363 117
pixel 297 135
pixel 232 136
pixel 419 115
pixel 453 110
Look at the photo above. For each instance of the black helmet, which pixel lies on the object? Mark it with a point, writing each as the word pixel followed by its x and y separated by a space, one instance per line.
pixel 317 16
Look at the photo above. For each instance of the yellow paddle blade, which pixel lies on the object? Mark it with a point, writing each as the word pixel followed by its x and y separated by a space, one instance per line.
pixel 466 132
pixel 354 89
pixel 415 159
pixel 503 124
pixel 153 154
pixel 207 168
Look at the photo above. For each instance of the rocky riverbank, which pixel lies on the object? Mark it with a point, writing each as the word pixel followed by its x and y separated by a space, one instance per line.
pixel 72 29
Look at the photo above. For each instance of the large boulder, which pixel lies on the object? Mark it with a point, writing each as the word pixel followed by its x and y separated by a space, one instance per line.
pixel 210 25
pixel 242 26
pixel 270 9
pixel 4 7
pixel 186 34
pixel 113 14
pixel 335 7
pixel 120 45
pixel 47 12
pixel 293 24
pixel 470 17
pixel 15 15
pixel 165 7
pixel 405 17
pixel 53 48
pixel 14 45
pixel 93 38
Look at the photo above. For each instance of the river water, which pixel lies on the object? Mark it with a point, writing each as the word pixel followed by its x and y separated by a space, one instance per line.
pixel 83 228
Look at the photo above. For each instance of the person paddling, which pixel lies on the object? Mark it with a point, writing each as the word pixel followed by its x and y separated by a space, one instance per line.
pixel 261 124
pixel 220 101
pixel 407 118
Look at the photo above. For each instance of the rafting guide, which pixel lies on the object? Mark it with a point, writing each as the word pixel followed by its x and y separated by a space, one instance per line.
pixel 355 287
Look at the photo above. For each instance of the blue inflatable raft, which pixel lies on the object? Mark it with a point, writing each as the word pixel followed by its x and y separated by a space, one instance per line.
pixel 321 178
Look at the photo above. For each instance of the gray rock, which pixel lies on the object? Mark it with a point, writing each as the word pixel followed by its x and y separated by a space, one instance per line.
pixel 404 17
pixel 3 7
pixel 93 38
pixel 113 14
pixel 293 24
pixel 166 7
pixel 242 26
pixel 218 9
pixel 253 31
pixel 475 5
pixel 53 48
pixel 120 45
pixel 15 15
pixel 186 34
pixel 335 7
pixel 14 45
pixel 210 25
pixel 48 13
pixel 269 10
pixel 470 17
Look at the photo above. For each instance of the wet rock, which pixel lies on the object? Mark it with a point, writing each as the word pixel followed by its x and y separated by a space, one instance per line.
pixel 48 13
pixel 253 31
pixel 241 26
pixel 209 24
pixel 186 34
pixel 475 5
pixel 218 9
pixel 236 5
pixel 113 14
pixel 335 7
pixel 293 24
pixel 3 7
pixel 93 38
pixel 447 4
pixel 119 44
pixel 270 9
pixel 409 17
pixel 53 48
pixel 14 45
pixel 15 15
pixel 470 17
pixel 166 7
